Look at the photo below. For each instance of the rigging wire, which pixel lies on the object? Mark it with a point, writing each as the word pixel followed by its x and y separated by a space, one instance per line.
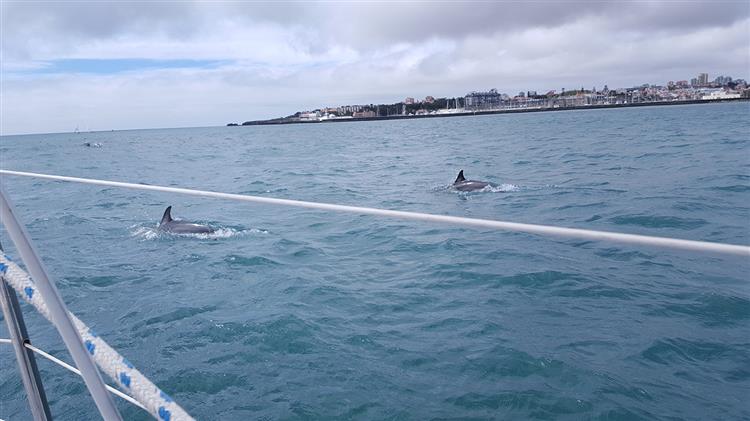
pixel 70 368
pixel 645 240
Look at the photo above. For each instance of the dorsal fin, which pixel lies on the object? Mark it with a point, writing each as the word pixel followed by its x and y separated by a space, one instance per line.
pixel 460 177
pixel 167 215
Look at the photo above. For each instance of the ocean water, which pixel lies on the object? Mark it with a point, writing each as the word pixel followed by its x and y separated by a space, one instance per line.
pixel 296 314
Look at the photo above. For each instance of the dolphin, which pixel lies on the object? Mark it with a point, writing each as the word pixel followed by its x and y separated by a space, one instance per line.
pixel 181 227
pixel 463 184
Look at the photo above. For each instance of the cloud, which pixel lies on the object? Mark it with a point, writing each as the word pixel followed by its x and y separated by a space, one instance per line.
pixel 40 30
pixel 271 60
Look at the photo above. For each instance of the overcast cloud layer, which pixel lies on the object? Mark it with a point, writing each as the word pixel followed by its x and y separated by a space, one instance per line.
pixel 197 64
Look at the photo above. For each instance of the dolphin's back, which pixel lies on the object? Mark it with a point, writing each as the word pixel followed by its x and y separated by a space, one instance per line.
pixel 463 184
pixel 470 185
pixel 181 227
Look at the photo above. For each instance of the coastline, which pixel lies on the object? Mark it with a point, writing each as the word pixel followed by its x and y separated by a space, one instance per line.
pixel 489 112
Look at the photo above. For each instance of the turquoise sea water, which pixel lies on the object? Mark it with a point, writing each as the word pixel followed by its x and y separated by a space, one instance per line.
pixel 297 314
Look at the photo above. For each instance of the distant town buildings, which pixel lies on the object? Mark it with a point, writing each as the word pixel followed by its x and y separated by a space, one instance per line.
pixel 723 80
pixel 364 114
pixel 702 81
pixel 723 87
pixel 699 88
pixel 483 100
pixel 309 116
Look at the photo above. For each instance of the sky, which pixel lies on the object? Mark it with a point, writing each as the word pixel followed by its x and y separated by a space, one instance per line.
pixel 150 64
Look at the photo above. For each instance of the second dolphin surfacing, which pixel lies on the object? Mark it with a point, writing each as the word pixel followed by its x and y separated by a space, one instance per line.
pixel 463 184
pixel 168 224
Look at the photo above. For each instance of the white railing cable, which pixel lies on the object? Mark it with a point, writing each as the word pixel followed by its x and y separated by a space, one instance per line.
pixel 72 369
pixel 644 240
pixel 119 369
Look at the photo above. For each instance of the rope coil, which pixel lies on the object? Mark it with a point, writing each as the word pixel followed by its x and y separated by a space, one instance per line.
pixel 127 377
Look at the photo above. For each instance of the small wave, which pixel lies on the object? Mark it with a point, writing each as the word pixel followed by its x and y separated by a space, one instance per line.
pixel 237 260
pixel 656 221
pixel 739 188
pixel 153 233
pixel 671 350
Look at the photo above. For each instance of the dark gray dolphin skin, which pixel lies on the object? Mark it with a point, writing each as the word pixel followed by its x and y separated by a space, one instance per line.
pixel 463 184
pixel 181 227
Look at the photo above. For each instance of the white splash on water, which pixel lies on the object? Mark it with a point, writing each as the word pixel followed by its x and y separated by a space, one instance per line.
pixel 154 233
pixel 490 188
pixel 145 233
pixel 502 188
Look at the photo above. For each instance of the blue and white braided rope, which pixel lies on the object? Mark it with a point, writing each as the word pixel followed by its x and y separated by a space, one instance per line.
pixel 156 402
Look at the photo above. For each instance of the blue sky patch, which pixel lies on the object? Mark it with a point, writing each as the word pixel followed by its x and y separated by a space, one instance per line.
pixel 111 66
